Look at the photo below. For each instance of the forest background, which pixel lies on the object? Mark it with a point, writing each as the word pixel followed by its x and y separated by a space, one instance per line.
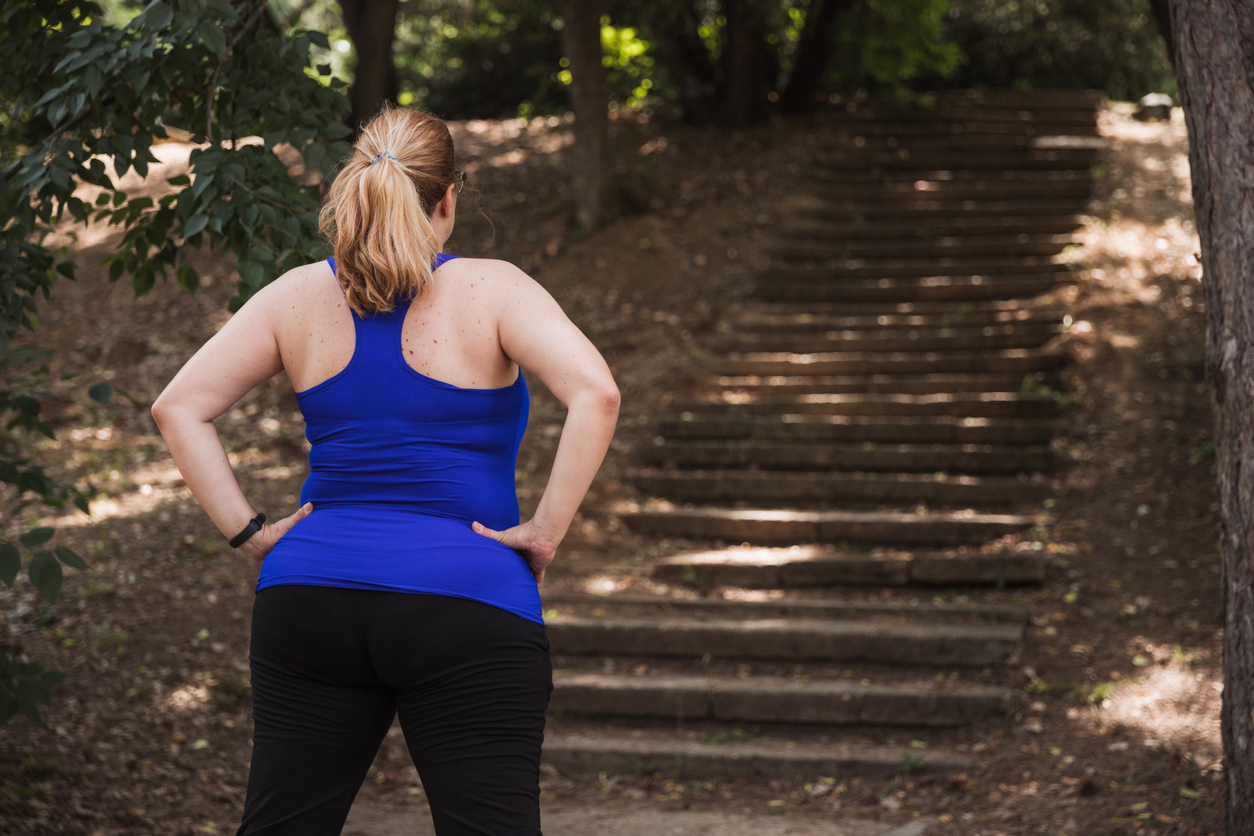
pixel 106 77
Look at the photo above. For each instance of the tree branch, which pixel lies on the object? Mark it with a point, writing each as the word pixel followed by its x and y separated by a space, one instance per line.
pixel 271 202
pixel 217 73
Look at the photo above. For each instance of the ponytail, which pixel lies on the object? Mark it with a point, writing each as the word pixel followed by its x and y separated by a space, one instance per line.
pixel 377 215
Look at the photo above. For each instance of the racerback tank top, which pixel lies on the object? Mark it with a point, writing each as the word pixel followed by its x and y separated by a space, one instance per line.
pixel 400 464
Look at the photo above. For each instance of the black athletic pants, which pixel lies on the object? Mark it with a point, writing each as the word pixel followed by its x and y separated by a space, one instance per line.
pixel 331 667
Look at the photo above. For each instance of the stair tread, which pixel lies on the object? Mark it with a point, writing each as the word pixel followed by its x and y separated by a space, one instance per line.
pixel 790 515
pixel 827 607
pixel 650 751
pixel 773 685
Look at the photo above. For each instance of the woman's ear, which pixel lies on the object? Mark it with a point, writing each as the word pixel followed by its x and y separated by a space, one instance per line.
pixel 448 203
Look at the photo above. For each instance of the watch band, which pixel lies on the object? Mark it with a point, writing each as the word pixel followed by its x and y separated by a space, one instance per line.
pixel 254 525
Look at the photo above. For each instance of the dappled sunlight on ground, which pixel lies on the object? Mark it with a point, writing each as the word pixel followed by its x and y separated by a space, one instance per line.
pixel 1169 705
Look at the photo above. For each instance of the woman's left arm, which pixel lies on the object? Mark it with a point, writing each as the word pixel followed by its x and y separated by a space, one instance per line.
pixel 244 354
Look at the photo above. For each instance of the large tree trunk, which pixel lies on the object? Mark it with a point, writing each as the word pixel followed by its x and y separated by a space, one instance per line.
pixel 1214 60
pixel 814 55
pixel 371 25
pixel 596 195
pixel 745 65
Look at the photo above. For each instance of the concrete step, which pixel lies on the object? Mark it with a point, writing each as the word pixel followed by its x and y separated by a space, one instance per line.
pixel 775 286
pixel 994 336
pixel 926 159
pixel 953 310
pixel 859 430
pixel 923 191
pixel 924 213
pixel 1015 361
pixel 804 227
pixel 644 752
pixel 977 269
pixel 799 321
pixel 911 133
pixel 923 384
pixel 845 488
pixel 761 700
pixel 891 458
pixel 955 110
pixel 767 526
pixel 657 606
pixel 971 405
pixel 996 142
pixel 1037 99
pixel 786 640
pixel 911 178
pixel 803 567
pixel 386 818
pixel 874 250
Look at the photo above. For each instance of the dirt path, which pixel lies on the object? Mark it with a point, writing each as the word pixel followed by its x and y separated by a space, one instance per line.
pixel 1116 727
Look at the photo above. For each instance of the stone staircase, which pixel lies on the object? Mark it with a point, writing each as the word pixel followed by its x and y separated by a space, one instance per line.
pixel 879 417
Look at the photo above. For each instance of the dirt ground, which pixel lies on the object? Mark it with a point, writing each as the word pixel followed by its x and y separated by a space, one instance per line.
pixel 1116 727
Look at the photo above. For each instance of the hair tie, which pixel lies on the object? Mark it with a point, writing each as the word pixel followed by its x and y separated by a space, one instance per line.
pixel 383 154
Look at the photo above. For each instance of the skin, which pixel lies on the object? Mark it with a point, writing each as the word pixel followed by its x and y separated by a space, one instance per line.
pixel 482 320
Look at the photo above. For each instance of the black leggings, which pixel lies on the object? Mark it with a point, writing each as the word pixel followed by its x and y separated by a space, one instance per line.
pixel 331 667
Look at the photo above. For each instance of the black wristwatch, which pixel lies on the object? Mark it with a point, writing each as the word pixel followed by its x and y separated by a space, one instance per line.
pixel 254 525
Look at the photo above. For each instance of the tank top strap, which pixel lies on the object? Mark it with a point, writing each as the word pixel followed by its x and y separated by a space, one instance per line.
pixel 378 334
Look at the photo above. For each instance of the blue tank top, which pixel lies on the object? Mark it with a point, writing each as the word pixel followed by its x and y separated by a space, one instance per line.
pixel 400 465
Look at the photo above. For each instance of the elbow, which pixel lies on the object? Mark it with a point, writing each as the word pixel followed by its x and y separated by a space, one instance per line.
pixel 163 411
pixel 610 400
pixel 159 412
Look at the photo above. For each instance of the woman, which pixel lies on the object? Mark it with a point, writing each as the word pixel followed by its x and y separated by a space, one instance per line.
pixel 404 584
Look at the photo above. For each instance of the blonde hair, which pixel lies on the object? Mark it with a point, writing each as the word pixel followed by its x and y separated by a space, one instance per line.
pixel 377 215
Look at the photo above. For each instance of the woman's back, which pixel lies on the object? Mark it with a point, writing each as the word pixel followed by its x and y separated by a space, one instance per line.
pixel 451 334
pixel 418 456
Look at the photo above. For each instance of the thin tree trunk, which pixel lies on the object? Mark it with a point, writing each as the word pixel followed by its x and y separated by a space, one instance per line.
pixel 1215 72
pixel 814 55
pixel 371 25
pixel 745 62
pixel 596 194
pixel 1161 10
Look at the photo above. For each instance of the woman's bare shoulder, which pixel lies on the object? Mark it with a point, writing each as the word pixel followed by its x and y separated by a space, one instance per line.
pixel 297 288
pixel 501 276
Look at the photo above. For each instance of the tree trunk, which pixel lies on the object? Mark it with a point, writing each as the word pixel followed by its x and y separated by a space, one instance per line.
pixel 371 25
pixel 1215 72
pixel 596 195
pixel 672 28
pixel 745 63
pixel 1161 10
pixel 814 55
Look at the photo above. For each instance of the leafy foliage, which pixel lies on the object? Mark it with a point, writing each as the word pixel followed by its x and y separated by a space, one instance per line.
pixel 886 45
pixel 487 59
pixel 79 97
pixel 1113 45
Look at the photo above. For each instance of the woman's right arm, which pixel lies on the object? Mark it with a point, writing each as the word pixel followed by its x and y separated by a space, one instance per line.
pixel 538 336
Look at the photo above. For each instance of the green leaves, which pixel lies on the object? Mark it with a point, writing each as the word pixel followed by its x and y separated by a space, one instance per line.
pixel 70 558
pixel 44 570
pixel 212 36
pixel 100 393
pixel 78 93
pixel 195 225
pixel 24 686
pixel 10 563
pixel 45 573
pixel 36 537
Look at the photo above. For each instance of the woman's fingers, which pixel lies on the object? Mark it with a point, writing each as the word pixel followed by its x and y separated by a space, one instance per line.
pixel 259 545
pixel 285 525
pixel 480 528
pixel 520 538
